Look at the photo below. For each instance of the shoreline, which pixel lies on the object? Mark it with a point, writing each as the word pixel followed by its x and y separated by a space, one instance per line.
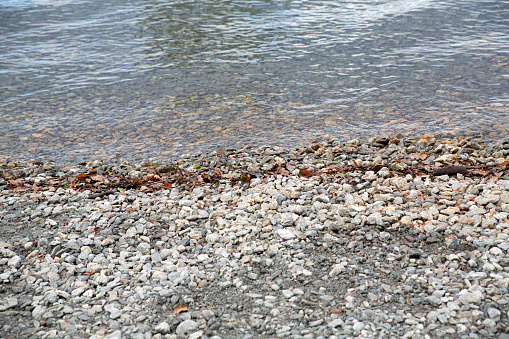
pixel 317 151
pixel 332 240
pixel 137 155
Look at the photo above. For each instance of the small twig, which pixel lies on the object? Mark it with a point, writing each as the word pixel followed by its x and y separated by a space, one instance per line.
pixel 102 194
pixel 450 170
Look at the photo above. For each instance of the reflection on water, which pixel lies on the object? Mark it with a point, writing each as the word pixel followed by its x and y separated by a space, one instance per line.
pixel 243 32
pixel 85 78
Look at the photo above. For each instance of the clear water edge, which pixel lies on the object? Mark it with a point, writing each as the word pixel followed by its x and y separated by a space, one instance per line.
pixel 81 79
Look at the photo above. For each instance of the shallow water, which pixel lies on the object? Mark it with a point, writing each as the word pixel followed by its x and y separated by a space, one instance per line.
pixel 83 79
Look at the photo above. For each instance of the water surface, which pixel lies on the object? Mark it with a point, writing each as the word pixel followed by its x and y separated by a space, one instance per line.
pixel 82 79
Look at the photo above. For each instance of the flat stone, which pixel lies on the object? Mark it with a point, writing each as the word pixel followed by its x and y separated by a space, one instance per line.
pixel 163 328
pixel 185 328
pixel 286 233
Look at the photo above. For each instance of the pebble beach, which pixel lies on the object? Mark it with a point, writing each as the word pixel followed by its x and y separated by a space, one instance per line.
pixel 336 239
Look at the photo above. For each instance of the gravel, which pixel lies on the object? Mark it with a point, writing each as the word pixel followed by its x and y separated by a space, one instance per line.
pixel 334 240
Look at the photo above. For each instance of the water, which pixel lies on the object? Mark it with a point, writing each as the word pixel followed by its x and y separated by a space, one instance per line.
pixel 83 79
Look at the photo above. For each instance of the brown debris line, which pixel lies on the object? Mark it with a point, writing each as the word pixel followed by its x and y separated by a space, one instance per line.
pixel 165 177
